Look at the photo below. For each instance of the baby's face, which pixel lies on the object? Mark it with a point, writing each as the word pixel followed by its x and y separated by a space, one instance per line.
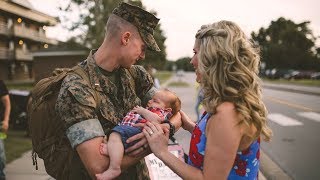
pixel 158 100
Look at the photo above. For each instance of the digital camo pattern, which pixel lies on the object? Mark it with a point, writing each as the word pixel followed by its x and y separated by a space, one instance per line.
pixel 143 20
pixel 76 104
pixel 84 130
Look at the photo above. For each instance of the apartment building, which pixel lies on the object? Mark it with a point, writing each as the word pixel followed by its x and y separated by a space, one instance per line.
pixel 22 32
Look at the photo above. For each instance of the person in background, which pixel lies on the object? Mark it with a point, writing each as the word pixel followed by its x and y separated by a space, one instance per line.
pixel 5 108
pixel 225 143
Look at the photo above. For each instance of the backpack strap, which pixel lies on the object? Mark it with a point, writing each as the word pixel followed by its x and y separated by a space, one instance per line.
pixel 84 75
pixel 133 76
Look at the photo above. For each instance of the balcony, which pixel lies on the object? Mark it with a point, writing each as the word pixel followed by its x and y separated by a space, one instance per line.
pixel 23 55
pixel 4 29
pixel 33 35
pixel 6 54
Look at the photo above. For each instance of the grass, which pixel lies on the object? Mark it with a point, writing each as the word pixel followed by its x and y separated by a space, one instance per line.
pixel 16 144
pixel 20 86
pixel 178 84
pixel 163 76
pixel 304 82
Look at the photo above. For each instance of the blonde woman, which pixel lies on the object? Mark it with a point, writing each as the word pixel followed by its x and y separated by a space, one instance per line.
pixel 225 143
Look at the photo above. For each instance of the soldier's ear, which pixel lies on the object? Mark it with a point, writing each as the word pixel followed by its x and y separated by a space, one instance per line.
pixel 125 38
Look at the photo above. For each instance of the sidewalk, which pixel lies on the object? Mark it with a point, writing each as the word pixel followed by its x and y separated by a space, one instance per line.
pixel 22 168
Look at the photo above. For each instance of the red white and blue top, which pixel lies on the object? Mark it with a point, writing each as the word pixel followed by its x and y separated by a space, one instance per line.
pixel 133 118
pixel 246 163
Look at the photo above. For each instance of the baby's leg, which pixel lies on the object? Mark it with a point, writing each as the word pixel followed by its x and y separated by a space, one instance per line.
pixel 115 152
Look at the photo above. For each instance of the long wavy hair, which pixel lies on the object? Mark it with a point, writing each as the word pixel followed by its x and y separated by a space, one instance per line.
pixel 229 66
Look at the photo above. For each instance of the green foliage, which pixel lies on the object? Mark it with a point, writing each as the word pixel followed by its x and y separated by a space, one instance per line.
pixel 178 84
pixel 287 45
pixel 93 17
pixel 184 64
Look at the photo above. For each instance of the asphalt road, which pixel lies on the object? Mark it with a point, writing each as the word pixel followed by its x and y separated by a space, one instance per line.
pixel 295 121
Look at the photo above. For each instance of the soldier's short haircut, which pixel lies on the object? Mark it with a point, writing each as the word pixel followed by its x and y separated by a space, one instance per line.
pixel 116 25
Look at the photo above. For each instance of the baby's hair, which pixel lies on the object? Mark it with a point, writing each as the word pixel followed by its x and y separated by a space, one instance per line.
pixel 175 103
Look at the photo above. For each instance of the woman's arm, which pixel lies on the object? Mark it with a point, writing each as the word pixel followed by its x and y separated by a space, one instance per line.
pixel 158 142
pixel 223 139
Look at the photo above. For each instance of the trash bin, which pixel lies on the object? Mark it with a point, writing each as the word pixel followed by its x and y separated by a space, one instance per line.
pixel 18 115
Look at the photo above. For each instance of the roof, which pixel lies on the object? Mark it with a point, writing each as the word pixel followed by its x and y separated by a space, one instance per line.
pixel 24 9
pixel 24 3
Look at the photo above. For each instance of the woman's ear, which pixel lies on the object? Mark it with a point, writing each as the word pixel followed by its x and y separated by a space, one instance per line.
pixel 125 38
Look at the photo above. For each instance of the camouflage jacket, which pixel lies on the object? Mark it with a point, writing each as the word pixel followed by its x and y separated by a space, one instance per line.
pixel 76 106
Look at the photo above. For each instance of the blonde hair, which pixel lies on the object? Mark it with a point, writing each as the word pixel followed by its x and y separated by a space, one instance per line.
pixel 229 66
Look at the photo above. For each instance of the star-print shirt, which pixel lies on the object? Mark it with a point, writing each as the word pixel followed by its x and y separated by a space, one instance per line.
pixel 246 163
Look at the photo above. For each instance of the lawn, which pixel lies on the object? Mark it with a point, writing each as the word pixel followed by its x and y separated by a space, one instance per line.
pixel 16 144
pixel 163 76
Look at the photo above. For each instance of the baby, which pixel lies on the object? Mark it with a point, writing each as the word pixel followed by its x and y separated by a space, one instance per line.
pixel 161 107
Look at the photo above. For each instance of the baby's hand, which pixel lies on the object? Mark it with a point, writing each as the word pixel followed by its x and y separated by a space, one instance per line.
pixel 138 109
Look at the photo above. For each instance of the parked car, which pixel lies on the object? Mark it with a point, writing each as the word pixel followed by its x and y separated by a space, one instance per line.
pixel 277 73
pixel 300 75
pixel 315 75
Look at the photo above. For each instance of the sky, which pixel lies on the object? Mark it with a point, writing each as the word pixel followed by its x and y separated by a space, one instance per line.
pixel 180 19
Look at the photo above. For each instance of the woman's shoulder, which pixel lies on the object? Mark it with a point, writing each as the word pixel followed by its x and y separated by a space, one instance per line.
pixel 226 107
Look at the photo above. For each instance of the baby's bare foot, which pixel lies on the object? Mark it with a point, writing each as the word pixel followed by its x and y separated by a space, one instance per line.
pixel 109 174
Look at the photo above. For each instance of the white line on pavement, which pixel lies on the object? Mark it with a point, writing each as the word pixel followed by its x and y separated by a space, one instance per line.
pixel 310 115
pixel 283 120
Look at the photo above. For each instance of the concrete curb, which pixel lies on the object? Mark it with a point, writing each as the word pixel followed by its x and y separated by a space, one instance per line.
pixel 291 90
pixel 270 169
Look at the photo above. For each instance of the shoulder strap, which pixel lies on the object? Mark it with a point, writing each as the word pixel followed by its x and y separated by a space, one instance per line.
pixel 133 76
pixel 84 75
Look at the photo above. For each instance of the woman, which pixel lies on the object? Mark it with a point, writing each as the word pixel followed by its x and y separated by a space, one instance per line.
pixel 225 143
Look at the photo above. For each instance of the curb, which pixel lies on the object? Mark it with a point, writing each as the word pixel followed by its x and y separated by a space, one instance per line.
pixel 270 169
pixel 292 90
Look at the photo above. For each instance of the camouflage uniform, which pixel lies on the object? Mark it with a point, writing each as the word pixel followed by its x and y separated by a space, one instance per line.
pixel 76 106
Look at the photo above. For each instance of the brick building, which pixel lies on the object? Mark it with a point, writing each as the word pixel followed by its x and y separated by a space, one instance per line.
pixel 22 32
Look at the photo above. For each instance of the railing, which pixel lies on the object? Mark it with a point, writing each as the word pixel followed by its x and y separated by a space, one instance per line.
pixel 33 35
pixel 23 55
pixel 6 54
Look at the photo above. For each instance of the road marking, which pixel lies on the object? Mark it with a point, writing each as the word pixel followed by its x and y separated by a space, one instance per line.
pixel 283 120
pixel 310 115
pixel 288 103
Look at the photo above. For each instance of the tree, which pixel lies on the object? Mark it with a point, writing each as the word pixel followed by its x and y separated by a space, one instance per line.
pixel 287 45
pixel 184 63
pixel 92 19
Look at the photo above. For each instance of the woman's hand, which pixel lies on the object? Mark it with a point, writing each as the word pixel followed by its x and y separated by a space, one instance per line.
pixel 157 138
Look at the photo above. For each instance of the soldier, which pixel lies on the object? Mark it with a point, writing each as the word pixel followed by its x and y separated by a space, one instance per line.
pixel 129 31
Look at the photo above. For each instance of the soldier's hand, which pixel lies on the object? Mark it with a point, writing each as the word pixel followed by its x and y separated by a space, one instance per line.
pixel 139 148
